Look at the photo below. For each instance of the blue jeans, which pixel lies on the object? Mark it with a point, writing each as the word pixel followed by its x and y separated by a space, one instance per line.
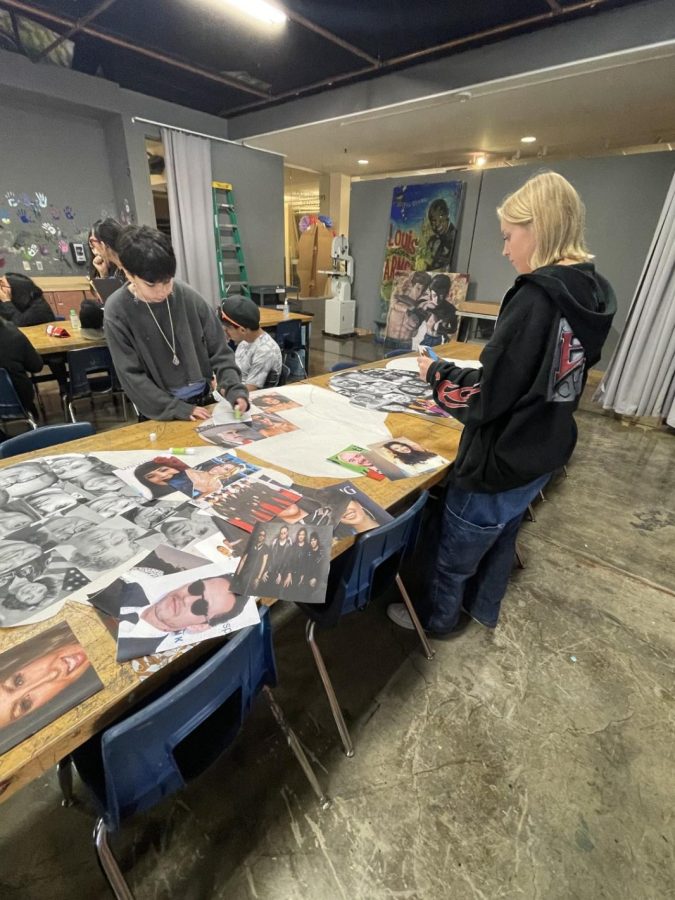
pixel 475 555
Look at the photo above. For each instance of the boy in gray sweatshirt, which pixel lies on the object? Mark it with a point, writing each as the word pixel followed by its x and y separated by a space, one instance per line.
pixel 167 343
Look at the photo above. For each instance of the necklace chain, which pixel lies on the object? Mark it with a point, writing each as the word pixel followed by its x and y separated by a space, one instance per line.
pixel 172 343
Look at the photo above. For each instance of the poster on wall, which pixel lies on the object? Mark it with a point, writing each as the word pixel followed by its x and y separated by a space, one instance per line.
pixel 422 231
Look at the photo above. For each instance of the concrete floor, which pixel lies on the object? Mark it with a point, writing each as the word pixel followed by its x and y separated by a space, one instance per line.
pixel 534 761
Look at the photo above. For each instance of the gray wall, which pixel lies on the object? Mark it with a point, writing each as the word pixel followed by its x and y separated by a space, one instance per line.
pixel 65 158
pixel 258 183
pixel 623 197
pixel 72 136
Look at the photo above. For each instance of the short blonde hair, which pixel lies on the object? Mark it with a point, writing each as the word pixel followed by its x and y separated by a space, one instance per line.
pixel 553 208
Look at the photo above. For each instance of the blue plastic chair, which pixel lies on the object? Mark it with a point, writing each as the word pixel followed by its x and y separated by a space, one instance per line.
pixel 11 407
pixel 367 570
pixel 46 436
pixel 91 371
pixel 152 753
pixel 391 353
pixel 338 367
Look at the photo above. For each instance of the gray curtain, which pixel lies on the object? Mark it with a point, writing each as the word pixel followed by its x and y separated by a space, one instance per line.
pixel 188 178
pixel 640 380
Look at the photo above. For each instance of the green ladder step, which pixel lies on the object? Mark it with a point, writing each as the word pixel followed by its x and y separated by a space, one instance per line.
pixel 229 251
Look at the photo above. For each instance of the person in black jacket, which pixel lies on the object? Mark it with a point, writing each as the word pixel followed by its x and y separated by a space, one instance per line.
pixel 19 357
pixel 517 409
pixel 23 302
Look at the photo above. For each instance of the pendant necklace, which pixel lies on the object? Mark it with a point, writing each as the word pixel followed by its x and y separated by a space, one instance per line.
pixel 171 344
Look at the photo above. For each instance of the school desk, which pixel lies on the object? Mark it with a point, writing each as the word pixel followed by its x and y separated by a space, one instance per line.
pixel 475 310
pixel 45 344
pixel 122 685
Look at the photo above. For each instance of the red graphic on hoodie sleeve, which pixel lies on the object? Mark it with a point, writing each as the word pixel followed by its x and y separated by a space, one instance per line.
pixel 454 396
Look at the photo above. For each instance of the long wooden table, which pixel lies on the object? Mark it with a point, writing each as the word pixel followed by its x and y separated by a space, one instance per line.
pixel 122 685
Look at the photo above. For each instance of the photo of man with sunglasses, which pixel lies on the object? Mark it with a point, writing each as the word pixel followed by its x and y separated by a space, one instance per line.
pixel 188 607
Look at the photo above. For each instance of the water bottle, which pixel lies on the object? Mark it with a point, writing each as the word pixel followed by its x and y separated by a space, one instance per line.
pixel 287 309
pixel 74 320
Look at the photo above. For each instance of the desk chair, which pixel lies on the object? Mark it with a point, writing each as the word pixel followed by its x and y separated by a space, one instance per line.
pixel 369 568
pixel 338 367
pixel 11 407
pixel 288 336
pixel 391 353
pixel 46 436
pixel 92 372
pixel 152 753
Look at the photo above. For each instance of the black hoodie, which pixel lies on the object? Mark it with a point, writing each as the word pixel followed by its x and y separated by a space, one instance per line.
pixel 518 408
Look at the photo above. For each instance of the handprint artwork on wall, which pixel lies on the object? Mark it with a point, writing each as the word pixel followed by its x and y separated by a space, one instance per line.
pixel 24 215
pixel 55 213
pixel 11 199
pixel 41 199
pixel 68 212
pixel 49 228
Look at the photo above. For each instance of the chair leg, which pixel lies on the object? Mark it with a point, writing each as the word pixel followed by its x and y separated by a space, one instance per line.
pixel 565 471
pixel 330 692
pixel 296 747
pixel 520 561
pixel 109 864
pixel 530 510
pixel 71 411
pixel 426 647
pixel 541 494
pixel 64 772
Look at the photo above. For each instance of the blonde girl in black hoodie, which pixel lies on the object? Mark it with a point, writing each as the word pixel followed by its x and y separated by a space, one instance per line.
pixel 517 409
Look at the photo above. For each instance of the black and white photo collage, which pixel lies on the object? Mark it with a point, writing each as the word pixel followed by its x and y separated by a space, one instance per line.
pixel 67 521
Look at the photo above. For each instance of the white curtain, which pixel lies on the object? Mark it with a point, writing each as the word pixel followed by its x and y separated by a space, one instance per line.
pixel 188 178
pixel 640 380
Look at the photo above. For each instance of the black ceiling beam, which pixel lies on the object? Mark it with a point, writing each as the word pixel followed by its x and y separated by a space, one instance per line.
pixel 53 18
pixel 78 26
pixel 329 36
pixel 419 55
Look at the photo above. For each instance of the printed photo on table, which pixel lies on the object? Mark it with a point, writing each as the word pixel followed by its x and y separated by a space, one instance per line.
pixel 163 613
pixel 251 500
pixel 41 679
pixel 270 425
pixel 162 476
pixel 236 434
pixel 355 511
pixel 368 462
pixel 388 390
pixel 273 402
pixel 290 562
pixel 33 583
pixel 163 560
pixel 409 456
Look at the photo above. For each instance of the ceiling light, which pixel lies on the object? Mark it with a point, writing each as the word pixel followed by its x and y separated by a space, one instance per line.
pixel 362 162
pixel 259 9
pixel 480 160
pixel 528 139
